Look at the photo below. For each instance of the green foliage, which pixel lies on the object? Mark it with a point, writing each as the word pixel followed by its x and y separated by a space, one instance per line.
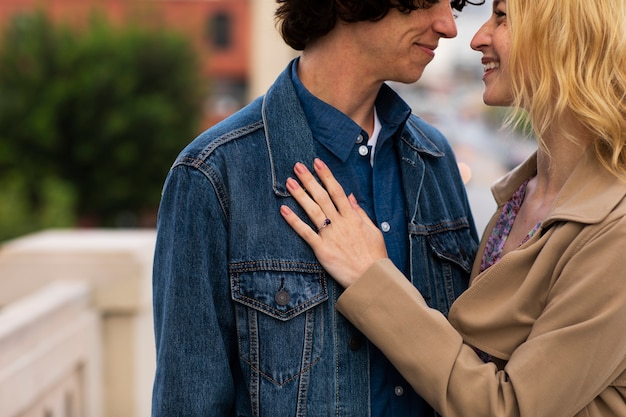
pixel 24 210
pixel 102 111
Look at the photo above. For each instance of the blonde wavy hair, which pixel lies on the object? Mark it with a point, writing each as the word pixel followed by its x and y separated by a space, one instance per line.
pixel 569 57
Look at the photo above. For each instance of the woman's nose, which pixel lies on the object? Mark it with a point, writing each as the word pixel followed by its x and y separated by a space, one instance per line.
pixel 481 38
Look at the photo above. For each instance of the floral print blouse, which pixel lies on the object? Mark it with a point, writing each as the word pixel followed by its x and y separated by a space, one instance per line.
pixel 497 239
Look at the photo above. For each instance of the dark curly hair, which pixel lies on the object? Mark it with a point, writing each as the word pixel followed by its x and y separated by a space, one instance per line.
pixel 303 21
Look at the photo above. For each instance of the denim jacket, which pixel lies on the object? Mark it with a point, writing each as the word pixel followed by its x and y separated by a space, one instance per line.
pixel 244 315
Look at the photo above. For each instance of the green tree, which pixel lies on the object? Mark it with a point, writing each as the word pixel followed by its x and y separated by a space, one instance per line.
pixel 97 114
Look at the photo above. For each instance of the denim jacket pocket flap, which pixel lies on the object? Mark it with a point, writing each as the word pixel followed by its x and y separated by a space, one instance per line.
pixel 281 291
pixel 457 246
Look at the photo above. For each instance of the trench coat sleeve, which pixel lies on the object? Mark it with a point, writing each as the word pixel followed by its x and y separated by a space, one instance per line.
pixel 574 352
pixel 418 340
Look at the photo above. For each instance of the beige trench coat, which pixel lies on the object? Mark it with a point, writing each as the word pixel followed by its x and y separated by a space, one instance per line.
pixel 553 313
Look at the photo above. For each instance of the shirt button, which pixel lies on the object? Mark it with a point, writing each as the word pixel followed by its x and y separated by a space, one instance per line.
pixel 359 139
pixel 355 343
pixel 385 227
pixel 398 391
pixel 363 150
pixel 282 298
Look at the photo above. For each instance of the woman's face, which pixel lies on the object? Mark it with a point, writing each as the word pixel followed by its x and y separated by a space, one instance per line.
pixel 494 41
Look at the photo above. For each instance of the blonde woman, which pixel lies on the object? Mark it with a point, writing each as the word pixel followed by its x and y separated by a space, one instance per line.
pixel 542 329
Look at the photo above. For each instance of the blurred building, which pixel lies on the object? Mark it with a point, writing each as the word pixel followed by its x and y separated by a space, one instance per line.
pixel 235 64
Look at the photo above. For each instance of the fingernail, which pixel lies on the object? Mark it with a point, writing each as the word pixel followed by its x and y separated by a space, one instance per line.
pixel 292 184
pixel 319 164
pixel 300 168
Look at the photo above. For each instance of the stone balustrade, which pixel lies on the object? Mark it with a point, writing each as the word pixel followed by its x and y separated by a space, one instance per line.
pixel 76 335
pixel 50 354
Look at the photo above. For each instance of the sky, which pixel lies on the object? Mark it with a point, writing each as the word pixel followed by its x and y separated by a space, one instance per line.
pixel 457 50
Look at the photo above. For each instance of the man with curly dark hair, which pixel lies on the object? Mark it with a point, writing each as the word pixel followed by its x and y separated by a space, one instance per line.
pixel 303 21
pixel 245 317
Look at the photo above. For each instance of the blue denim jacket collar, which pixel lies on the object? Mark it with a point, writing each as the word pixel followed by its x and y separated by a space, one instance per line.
pixel 330 127
pixel 286 142
pixel 294 142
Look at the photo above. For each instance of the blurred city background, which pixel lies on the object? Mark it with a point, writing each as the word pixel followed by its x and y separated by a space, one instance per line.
pixel 97 97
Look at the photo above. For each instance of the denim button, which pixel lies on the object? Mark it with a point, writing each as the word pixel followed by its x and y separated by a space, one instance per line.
pixel 359 139
pixel 282 298
pixel 398 390
pixel 363 151
pixel 385 227
pixel 355 343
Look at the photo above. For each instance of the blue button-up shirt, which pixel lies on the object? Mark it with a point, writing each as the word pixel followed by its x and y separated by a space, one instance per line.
pixel 343 146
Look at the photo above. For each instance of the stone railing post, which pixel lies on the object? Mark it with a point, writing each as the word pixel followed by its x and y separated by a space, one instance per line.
pixel 50 358
pixel 117 265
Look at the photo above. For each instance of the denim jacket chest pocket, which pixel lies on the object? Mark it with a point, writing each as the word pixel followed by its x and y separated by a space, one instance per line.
pixel 279 327
pixel 449 254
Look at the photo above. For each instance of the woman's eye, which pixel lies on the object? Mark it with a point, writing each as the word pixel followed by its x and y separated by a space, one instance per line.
pixel 500 16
